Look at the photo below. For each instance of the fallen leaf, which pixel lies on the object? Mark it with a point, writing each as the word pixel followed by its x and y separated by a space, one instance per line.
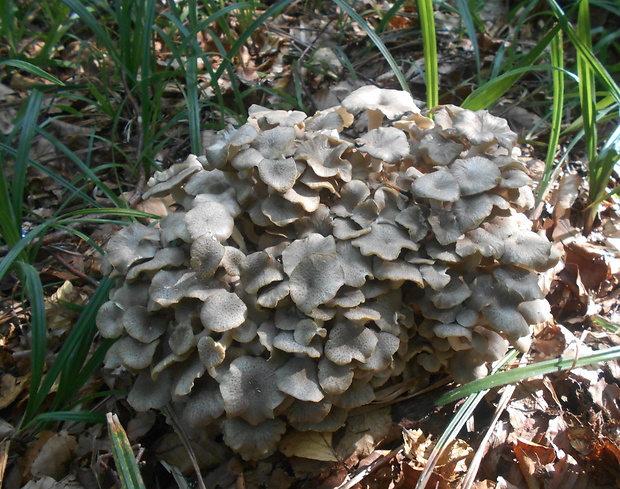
pixel 50 454
pixel 581 438
pixel 363 432
pixel 10 388
pixel 533 460
pixel 566 195
pixel 308 444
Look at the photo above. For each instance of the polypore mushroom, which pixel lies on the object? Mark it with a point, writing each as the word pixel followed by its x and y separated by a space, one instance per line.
pixel 209 218
pixel 222 311
pixel 253 442
pixel 385 143
pixel 378 102
pixel 315 280
pixel 134 243
pixel 299 378
pixel 482 128
pixel 299 272
pixel 249 390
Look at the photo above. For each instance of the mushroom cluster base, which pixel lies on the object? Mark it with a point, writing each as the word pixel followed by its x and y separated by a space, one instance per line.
pixel 300 272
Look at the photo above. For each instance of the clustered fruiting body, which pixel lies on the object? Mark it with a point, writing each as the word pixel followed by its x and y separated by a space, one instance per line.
pixel 299 271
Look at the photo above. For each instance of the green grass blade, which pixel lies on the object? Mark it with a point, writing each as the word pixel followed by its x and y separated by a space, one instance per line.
pixel 605 165
pixel 95 361
pixel 557 60
pixel 528 371
pixel 28 128
pixel 587 89
pixel 389 15
pixel 465 11
pixel 191 83
pixel 490 92
pixel 32 69
pixel 376 40
pixel 94 24
pixel 10 228
pixel 74 416
pixel 70 358
pixel 456 423
pixel 85 169
pixel 597 67
pixel 126 465
pixel 29 277
pixel 116 211
pixel 16 250
pixel 427 21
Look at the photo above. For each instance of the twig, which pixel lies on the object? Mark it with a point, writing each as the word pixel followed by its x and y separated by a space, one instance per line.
pixel 366 471
pixel 60 234
pixel 303 55
pixel 474 465
pixel 185 440
pixel 73 270
pixel 137 194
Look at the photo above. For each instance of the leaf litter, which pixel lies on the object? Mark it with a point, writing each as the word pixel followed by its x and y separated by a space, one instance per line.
pixel 562 430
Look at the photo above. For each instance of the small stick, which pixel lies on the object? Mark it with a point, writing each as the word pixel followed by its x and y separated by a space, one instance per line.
pixel 366 471
pixel 74 271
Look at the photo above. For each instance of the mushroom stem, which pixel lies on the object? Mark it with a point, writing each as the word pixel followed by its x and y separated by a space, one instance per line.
pixel 238 238
pixel 375 118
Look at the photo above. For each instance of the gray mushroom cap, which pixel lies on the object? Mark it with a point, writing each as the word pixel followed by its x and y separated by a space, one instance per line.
pixel 222 311
pixel 206 253
pixel 134 243
pixel 475 175
pixel 481 127
pixel 385 143
pixel 348 341
pixel 299 378
pixel 439 185
pixel 110 320
pixel 249 390
pixel 142 325
pixel 147 393
pixel 162 182
pixel 209 217
pixel 315 280
pixel 280 174
pixel 379 102
pixel 253 442
pixel 205 406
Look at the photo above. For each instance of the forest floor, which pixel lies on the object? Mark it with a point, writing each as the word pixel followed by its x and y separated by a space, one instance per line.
pixel 557 431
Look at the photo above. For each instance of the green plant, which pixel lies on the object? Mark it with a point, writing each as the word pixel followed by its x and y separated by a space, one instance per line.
pixel 74 363
pixel 522 373
pixel 126 465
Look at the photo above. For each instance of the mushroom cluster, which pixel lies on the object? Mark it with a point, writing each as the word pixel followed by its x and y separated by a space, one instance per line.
pixel 301 271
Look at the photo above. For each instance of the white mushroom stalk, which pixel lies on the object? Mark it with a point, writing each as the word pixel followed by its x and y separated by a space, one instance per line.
pixel 300 272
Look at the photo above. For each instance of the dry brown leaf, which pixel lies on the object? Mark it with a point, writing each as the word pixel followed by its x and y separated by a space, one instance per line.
pixel 50 455
pixel 534 461
pixel 504 484
pixel 604 459
pixel 59 317
pixel 363 433
pixel 10 388
pixel 568 474
pixel 308 444
pixel 412 474
pixel 593 269
pixel 566 195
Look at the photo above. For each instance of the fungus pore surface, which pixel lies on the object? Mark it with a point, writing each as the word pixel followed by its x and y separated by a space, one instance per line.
pixel 301 272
